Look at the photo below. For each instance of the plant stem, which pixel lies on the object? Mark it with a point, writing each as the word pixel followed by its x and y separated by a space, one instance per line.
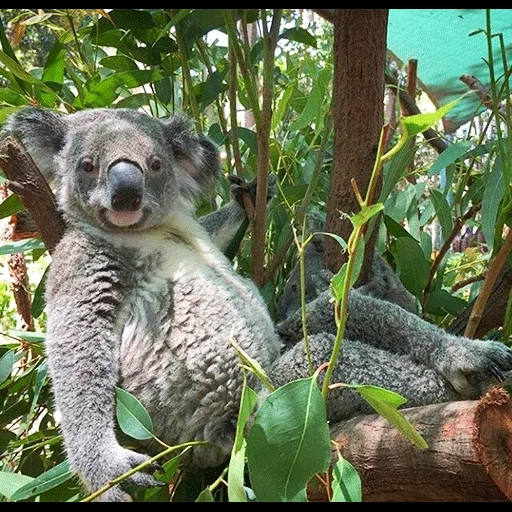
pixel 142 467
pixel 341 306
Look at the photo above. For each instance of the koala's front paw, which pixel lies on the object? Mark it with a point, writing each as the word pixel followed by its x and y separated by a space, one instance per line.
pixel 471 366
pixel 239 188
pixel 115 463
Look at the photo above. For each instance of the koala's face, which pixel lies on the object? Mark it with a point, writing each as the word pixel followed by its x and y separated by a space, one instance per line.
pixel 118 169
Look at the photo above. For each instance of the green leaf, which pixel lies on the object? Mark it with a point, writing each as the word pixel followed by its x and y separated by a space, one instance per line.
pixel 281 108
pixel 20 247
pixel 396 170
pixel 6 366
pixel 386 404
pixel 206 497
pixel 54 69
pixel 250 138
pixel 444 213
pixel 300 35
pixel 314 103
pixel 11 206
pixel 44 483
pixel 161 495
pixel 413 268
pixel 131 19
pixel 415 125
pixel 20 73
pixel 236 475
pixel 104 93
pixel 289 442
pixel 135 101
pixel 493 196
pixel 30 337
pixel 253 366
pixel 164 91
pixel 450 156
pixel 132 417
pixel 366 215
pixel 38 302
pixel 336 238
pixel 347 485
pixel 119 63
pixel 11 483
pixel 338 283
pixel 8 97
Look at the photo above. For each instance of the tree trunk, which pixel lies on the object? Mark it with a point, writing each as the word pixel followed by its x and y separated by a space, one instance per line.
pixel 360 56
pixel 468 457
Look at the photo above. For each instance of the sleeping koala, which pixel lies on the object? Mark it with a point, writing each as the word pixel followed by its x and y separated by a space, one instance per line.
pixel 139 296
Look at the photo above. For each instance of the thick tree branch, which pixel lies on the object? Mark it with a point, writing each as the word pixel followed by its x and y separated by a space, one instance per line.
pixel 468 458
pixel 27 182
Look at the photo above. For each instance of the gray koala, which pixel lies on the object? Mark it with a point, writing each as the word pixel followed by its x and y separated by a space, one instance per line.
pixel 139 296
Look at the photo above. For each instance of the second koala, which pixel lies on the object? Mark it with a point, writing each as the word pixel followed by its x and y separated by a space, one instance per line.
pixel 139 296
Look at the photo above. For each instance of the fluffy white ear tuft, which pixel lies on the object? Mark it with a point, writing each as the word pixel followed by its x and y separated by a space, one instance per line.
pixel 196 155
pixel 42 132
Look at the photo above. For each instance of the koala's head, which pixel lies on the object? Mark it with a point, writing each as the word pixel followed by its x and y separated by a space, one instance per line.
pixel 118 169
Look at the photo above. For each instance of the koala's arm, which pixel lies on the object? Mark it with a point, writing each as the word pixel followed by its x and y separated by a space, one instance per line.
pixel 391 328
pixel 84 292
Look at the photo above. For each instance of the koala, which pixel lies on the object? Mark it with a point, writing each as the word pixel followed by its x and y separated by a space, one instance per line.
pixel 139 296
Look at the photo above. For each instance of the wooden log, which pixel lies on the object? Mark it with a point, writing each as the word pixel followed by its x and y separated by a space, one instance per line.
pixel 469 456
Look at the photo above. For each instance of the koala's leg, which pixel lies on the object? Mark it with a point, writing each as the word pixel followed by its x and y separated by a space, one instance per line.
pixel 366 365
pixel 466 364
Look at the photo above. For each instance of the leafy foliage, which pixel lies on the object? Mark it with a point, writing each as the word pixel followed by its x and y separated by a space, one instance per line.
pixel 162 60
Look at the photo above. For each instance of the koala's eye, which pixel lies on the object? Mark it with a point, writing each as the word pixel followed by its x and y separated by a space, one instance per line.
pixel 88 166
pixel 156 165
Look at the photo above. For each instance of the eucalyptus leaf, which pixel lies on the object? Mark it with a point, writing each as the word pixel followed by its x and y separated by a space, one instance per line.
pixel 347 485
pixel 20 247
pixel 444 213
pixel 236 475
pixel 11 483
pixel 450 156
pixel 289 442
pixel 132 417
pixel 206 497
pixel 45 482
pixel 414 270
pixel 11 206
pixel 415 125
pixel 493 196
pixel 386 404
pixel 6 366
pixel 300 35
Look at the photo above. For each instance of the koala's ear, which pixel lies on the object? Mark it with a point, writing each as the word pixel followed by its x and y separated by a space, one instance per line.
pixel 197 156
pixel 42 132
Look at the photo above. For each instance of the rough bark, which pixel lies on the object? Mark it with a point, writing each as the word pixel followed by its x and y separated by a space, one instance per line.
pixel 468 457
pixel 360 57
pixel 18 276
pixel 27 182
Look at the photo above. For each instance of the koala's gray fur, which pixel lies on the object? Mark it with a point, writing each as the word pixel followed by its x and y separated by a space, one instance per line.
pixel 139 296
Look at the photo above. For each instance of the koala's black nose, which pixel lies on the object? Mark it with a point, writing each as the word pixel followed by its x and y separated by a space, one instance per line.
pixel 126 185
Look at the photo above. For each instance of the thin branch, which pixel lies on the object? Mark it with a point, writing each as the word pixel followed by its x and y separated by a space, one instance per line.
pixel 467 282
pixel 27 182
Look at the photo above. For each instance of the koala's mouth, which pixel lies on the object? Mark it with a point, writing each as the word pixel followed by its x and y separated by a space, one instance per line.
pixel 124 220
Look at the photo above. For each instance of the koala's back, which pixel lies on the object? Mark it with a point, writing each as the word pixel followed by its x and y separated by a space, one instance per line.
pixel 180 304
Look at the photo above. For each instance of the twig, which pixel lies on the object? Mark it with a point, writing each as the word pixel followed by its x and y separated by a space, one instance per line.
pixel 459 224
pixel 466 282
pixel 495 268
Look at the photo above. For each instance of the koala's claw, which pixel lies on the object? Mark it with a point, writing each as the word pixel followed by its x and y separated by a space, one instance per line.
pixel 498 374
pixel 471 365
